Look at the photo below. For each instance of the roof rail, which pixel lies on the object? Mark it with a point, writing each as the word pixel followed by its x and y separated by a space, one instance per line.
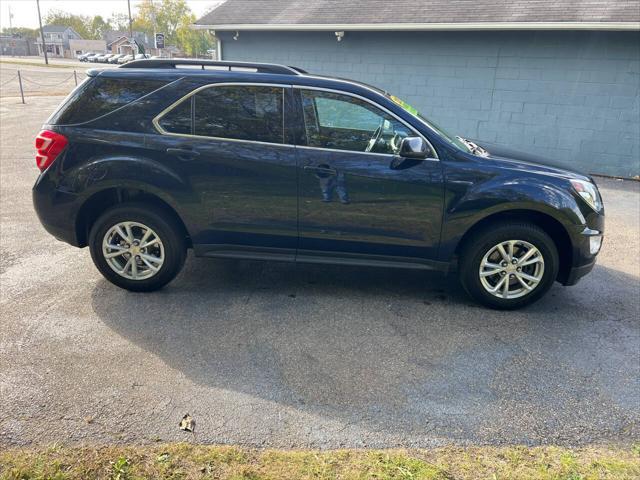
pixel 178 62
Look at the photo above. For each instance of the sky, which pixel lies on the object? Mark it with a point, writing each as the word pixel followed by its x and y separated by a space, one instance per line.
pixel 25 13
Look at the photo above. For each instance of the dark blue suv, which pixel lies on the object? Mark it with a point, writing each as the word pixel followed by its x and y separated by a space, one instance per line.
pixel 261 161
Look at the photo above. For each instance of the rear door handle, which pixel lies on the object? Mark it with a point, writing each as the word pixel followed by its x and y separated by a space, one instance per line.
pixel 330 171
pixel 183 153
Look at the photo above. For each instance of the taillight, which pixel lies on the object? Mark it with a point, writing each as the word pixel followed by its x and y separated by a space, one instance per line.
pixel 48 146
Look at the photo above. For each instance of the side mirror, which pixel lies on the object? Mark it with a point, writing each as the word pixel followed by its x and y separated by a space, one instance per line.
pixel 414 148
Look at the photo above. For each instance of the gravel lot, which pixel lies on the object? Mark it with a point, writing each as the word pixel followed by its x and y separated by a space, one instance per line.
pixel 281 355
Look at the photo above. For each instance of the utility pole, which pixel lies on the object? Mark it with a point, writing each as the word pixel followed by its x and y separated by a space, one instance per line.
pixel 44 47
pixel 130 21
pixel 153 16
pixel 11 31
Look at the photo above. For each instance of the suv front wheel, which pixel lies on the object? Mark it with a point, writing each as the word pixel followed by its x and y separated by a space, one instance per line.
pixel 509 265
pixel 137 247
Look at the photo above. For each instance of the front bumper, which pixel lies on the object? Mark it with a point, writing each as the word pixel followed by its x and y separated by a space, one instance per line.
pixel 584 254
pixel 576 273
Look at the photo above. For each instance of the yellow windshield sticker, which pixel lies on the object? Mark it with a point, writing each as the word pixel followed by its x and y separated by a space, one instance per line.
pixel 404 105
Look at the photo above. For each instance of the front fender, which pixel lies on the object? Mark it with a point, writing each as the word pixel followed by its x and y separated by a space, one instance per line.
pixel 468 203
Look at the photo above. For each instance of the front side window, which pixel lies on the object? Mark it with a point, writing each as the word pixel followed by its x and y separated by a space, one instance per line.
pixel 343 122
pixel 253 113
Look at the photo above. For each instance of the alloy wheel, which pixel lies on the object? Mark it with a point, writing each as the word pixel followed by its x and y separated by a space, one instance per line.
pixel 133 250
pixel 511 269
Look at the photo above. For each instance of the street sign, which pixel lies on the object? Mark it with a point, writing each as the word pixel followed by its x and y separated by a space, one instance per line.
pixel 159 40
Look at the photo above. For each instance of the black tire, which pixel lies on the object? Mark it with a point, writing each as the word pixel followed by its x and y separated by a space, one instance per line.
pixel 477 246
pixel 162 223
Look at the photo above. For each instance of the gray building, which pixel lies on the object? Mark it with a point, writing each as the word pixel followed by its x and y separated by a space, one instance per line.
pixel 56 39
pixel 15 45
pixel 559 78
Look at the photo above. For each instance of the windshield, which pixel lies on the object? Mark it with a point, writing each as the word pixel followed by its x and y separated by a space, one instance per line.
pixel 453 140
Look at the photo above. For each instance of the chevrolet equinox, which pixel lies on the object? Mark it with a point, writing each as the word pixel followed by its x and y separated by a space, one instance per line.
pixel 263 161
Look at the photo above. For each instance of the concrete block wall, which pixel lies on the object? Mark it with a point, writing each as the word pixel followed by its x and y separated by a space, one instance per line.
pixel 573 97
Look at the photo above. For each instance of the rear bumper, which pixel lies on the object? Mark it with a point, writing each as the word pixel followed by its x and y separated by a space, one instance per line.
pixel 56 211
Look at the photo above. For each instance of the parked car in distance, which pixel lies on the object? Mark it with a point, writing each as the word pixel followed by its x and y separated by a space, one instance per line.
pixel 125 59
pixel 94 58
pixel 115 58
pixel 83 56
pixel 105 58
pixel 264 161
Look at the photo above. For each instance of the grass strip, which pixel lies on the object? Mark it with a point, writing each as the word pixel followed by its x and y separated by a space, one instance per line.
pixel 188 461
pixel 41 64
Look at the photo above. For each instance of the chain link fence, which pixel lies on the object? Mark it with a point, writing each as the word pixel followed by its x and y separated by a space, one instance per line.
pixel 34 83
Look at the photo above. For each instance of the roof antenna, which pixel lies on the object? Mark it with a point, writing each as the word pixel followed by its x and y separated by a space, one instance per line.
pixel 140 48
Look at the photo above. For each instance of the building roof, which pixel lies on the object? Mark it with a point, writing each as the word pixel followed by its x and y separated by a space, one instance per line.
pixel 55 28
pixel 112 36
pixel 422 15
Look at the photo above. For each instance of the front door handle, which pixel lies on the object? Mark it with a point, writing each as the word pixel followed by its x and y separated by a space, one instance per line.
pixel 183 153
pixel 321 169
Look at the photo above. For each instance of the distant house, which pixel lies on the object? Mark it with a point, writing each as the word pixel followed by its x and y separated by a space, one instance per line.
pixel 557 78
pixel 122 45
pixel 120 42
pixel 56 38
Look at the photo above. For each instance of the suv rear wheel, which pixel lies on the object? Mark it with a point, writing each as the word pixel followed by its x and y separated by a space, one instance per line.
pixel 509 265
pixel 137 247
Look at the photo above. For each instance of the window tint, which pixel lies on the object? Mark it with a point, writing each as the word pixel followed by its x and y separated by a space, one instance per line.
pixel 100 96
pixel 178 119
pixel 241 113
pixel 344 122
pixel 340 114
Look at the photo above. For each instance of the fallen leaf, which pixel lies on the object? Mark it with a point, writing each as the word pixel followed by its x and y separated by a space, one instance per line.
pixel 188 424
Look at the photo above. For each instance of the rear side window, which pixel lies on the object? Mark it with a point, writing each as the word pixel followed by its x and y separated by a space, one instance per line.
pixel 100 96
pixel 253 113
pixel 178 119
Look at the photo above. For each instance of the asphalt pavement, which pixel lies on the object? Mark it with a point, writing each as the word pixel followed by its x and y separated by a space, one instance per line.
pixel 283 355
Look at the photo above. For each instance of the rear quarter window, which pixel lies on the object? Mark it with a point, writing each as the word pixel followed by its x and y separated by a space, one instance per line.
pixel 100 96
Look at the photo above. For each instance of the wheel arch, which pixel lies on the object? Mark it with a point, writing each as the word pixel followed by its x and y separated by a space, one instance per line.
pixel 553 227
pixel 100 201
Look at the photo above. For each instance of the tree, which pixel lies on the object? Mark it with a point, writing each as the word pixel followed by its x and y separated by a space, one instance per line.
pixel 99 26
pixel 22 32
pixel 79 23
pixel 192 42
pixel 173 18
pixel 119 21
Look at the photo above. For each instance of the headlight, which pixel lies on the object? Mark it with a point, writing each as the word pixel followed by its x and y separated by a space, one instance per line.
pixel 589 192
